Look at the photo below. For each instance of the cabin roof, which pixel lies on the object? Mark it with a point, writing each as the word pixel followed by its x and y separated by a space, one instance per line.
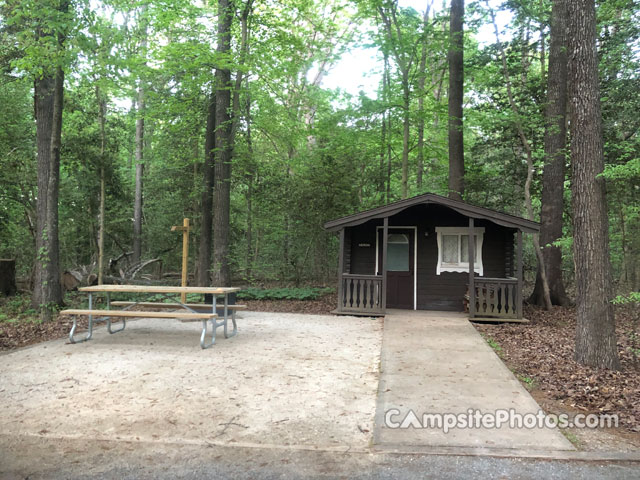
pixel 463 208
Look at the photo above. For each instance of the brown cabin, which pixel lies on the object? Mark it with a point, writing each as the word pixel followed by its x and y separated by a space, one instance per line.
pixel 414 254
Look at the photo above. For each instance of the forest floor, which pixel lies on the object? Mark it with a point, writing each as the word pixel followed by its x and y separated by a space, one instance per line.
pixel 539 353
pixel 20 325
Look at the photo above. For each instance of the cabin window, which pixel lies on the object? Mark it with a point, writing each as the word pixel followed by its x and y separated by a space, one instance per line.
pixel 397 252
pixel 453 249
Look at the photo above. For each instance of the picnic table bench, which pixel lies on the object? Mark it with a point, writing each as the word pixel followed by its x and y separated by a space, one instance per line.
pixel 205 312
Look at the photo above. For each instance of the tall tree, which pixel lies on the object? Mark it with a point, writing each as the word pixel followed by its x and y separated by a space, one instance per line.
pixel 595 332
pixel 422 76
pixel 404 53
pixel 48 99
pixel 386 88
pixel 223 146
pixel 242 59
pixel 102 114
pixel 433 64
pixel 456 95
pixel 555 143
pixel 204 252
pixel 528 149
pixel 137 204
pixel 206 217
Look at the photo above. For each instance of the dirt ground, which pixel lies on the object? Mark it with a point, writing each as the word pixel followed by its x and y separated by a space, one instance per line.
pixel 540 353
pixel 283 380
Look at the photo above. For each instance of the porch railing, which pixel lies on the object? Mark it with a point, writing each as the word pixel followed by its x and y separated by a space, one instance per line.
pixel 496 297
pixel 360 293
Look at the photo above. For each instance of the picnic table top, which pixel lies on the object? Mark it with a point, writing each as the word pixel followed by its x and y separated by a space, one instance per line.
pixel 158 289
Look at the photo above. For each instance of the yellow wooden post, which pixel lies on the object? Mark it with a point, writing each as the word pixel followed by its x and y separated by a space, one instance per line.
pixel 185 253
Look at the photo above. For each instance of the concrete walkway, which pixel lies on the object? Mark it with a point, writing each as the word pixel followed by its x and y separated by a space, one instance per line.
pixel 437 363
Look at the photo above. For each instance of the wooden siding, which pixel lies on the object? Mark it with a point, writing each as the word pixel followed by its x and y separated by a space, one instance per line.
pixel 509 255
pixel 363 259
pixel 347 251
pixel 435 292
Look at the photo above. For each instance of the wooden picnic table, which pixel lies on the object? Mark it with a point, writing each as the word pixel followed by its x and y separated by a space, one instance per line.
pixel 206 312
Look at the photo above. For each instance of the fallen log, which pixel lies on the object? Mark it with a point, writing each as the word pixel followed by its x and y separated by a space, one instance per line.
pixel 71 280
pixel 135 269
pixel 110 280
pixel 113 262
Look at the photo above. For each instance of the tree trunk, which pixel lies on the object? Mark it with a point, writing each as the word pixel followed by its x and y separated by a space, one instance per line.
pixel 406 99
pixel 422 78
pixel 49 93
pixel 456 94
pixel 206 220
pixel 102 112
pixel 595 332
pixel 383 141
pixel 387 88
pixel 421 93
pixel 383 132
pixel 101 226
pixel 8 277
pixel 244 51
pixel 137 203
pixel 250 177
pixel 438 82
pixel 249 224
pixel 389 158
pixel 555 142
pixel 223 145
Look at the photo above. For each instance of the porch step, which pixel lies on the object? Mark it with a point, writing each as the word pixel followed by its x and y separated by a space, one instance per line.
pixel 358 314
pixel 499 320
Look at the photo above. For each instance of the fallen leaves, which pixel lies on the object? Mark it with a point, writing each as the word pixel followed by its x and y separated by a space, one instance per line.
pixel 27 332
pixel 543 349
pixel 321 306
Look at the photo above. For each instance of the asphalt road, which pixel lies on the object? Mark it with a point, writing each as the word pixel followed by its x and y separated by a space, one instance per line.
pixel 47 458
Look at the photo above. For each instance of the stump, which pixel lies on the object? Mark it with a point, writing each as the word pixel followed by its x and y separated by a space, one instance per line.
pixel 8 277
pixel 70 280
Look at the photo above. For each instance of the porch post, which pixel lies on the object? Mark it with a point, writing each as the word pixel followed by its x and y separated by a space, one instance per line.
pixel 385 231
pixel 340 270
pixel 472 268
pixel 519 274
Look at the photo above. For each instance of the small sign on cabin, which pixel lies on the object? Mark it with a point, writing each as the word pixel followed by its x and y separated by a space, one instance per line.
pixel 364 244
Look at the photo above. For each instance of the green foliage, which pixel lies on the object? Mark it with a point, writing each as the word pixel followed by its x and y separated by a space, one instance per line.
pixel 303 154
pixel 630 298
pixel 191 298
pixel 302 293
pixel 529 382
pixel 572 437
pixel 17 309
pixel 17 171
pixel 493 344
